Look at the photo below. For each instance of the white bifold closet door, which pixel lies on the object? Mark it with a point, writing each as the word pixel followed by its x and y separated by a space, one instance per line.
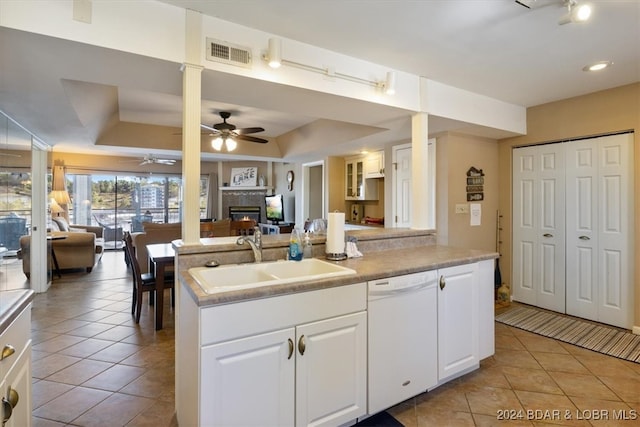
pixel 573 228
pixel 538 226
pixel 600 229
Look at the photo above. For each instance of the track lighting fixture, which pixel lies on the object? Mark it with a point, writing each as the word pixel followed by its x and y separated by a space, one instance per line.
pixel 273 57
pixel 390 83
pixel 575 12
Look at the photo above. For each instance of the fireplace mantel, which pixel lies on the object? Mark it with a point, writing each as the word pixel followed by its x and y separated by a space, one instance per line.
pixel 243 196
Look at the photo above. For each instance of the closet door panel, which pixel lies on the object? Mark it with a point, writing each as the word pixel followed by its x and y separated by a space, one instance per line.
pixel 538 224
pixel 525 221
pixel 551 227
pixel 582 255
pixel 615 230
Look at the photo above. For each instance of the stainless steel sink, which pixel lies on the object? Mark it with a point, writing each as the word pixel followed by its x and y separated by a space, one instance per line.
pixel 246 276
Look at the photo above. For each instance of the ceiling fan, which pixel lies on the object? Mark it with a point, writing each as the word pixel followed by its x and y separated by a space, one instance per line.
pixel 151 159
pixel 228 134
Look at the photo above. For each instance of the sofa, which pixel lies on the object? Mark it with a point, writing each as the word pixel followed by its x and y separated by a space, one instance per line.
pixel 81 248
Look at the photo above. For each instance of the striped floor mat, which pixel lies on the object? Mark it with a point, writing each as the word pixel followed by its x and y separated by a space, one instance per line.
pixel 596 337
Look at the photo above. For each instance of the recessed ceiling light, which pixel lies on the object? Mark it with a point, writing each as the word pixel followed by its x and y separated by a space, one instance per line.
pixel 597 66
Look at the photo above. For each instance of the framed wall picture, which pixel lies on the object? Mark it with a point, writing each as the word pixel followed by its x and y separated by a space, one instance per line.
pixel 244 177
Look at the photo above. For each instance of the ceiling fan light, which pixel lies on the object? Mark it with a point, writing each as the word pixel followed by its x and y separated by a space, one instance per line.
pixel 274 56
pixel 216 143
pixel 231 144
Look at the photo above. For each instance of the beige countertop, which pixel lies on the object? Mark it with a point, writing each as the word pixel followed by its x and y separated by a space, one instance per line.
pixel 11 305
pixel 372 266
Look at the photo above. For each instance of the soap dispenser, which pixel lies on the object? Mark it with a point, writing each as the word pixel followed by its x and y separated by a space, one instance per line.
pixel 307 250
pixel 295 245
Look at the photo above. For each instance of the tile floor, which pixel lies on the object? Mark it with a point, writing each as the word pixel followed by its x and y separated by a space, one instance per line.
pixel 93 366
pixel 533 381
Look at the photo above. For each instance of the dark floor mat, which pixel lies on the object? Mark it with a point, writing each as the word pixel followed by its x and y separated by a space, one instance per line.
pixel 383 419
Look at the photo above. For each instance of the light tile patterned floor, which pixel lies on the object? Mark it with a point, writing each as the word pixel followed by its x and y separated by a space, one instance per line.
pixel 533 381
pixel 93 366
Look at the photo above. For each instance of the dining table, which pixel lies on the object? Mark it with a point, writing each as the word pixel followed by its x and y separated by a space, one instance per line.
pixel 161 256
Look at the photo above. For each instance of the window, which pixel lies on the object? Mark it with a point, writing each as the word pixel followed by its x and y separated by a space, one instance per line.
pixel 124 202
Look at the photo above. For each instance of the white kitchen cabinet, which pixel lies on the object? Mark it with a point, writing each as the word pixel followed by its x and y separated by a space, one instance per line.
pixel 356 186
pixel 374 165
pixel 282 361
pixel 458 320
pixel 250 381
pixel 331 371
pixel 15 371
pixel 315 373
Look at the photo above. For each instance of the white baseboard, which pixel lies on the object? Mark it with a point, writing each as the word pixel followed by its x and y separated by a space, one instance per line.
pixel 636 330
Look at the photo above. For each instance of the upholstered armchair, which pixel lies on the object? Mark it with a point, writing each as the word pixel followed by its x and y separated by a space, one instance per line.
pixel 81 248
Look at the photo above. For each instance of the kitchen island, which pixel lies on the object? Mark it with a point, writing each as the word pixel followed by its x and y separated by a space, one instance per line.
pixel 296 354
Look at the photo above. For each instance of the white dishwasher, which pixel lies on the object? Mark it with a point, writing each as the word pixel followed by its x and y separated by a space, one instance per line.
pixel 402 338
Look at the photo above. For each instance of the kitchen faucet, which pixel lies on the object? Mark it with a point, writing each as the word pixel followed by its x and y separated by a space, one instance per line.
pixel 255 243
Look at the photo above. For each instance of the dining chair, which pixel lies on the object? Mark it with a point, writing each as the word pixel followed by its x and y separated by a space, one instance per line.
pixel 242 228
pixel 219 228
pixel 142 282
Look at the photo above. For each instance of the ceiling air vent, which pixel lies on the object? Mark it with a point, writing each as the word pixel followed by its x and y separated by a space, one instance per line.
pixel 228 53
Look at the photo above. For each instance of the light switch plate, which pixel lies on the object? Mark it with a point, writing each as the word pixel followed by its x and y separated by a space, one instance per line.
pixel 462 208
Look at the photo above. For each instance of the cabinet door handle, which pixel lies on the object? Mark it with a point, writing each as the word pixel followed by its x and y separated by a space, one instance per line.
pixel 8 404
pixel 302 346
pixel 290 348
pixel 584 238
pixel 442 283
pixel 7 351
pixel 547 235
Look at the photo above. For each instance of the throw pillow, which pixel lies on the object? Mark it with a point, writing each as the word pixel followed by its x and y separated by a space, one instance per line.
pixel 63 225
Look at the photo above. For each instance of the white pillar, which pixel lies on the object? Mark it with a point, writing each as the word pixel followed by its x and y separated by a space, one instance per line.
pixel 420 191
pixel 191 103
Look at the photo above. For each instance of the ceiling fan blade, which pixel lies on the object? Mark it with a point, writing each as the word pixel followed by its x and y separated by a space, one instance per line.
pixel 165 161
pixel 251 138
pixel 208 128
pixel 245 131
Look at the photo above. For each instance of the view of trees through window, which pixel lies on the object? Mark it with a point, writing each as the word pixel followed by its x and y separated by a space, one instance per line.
pixel 123 203
pixel 15 208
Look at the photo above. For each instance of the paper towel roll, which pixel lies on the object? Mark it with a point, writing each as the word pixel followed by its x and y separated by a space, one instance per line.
pixel 335 233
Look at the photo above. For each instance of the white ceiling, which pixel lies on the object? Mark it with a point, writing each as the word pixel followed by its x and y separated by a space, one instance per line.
pixel 497 48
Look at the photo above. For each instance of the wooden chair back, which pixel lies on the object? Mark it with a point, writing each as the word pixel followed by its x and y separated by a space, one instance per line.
pixel 216 228
pixel 242 228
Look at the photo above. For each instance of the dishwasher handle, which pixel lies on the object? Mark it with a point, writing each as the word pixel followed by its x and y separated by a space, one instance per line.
pixel 385 290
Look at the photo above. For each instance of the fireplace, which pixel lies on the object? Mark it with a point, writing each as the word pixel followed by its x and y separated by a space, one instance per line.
pixel 239 213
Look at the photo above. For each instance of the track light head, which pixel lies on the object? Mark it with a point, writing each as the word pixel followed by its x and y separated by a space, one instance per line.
pixel 575 13
pixel 274 54
pixel 390 83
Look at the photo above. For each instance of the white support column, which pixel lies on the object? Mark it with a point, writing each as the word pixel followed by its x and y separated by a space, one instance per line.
pixel 420 192
pixel 39 255
pixel 191 103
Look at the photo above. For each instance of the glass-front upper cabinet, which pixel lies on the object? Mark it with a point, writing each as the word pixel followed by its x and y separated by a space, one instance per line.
pixel 356 186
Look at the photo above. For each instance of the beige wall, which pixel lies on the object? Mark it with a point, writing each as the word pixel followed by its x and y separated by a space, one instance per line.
pixel 455 154
pixel 335 184
pixel 598 113
pixel 120 164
